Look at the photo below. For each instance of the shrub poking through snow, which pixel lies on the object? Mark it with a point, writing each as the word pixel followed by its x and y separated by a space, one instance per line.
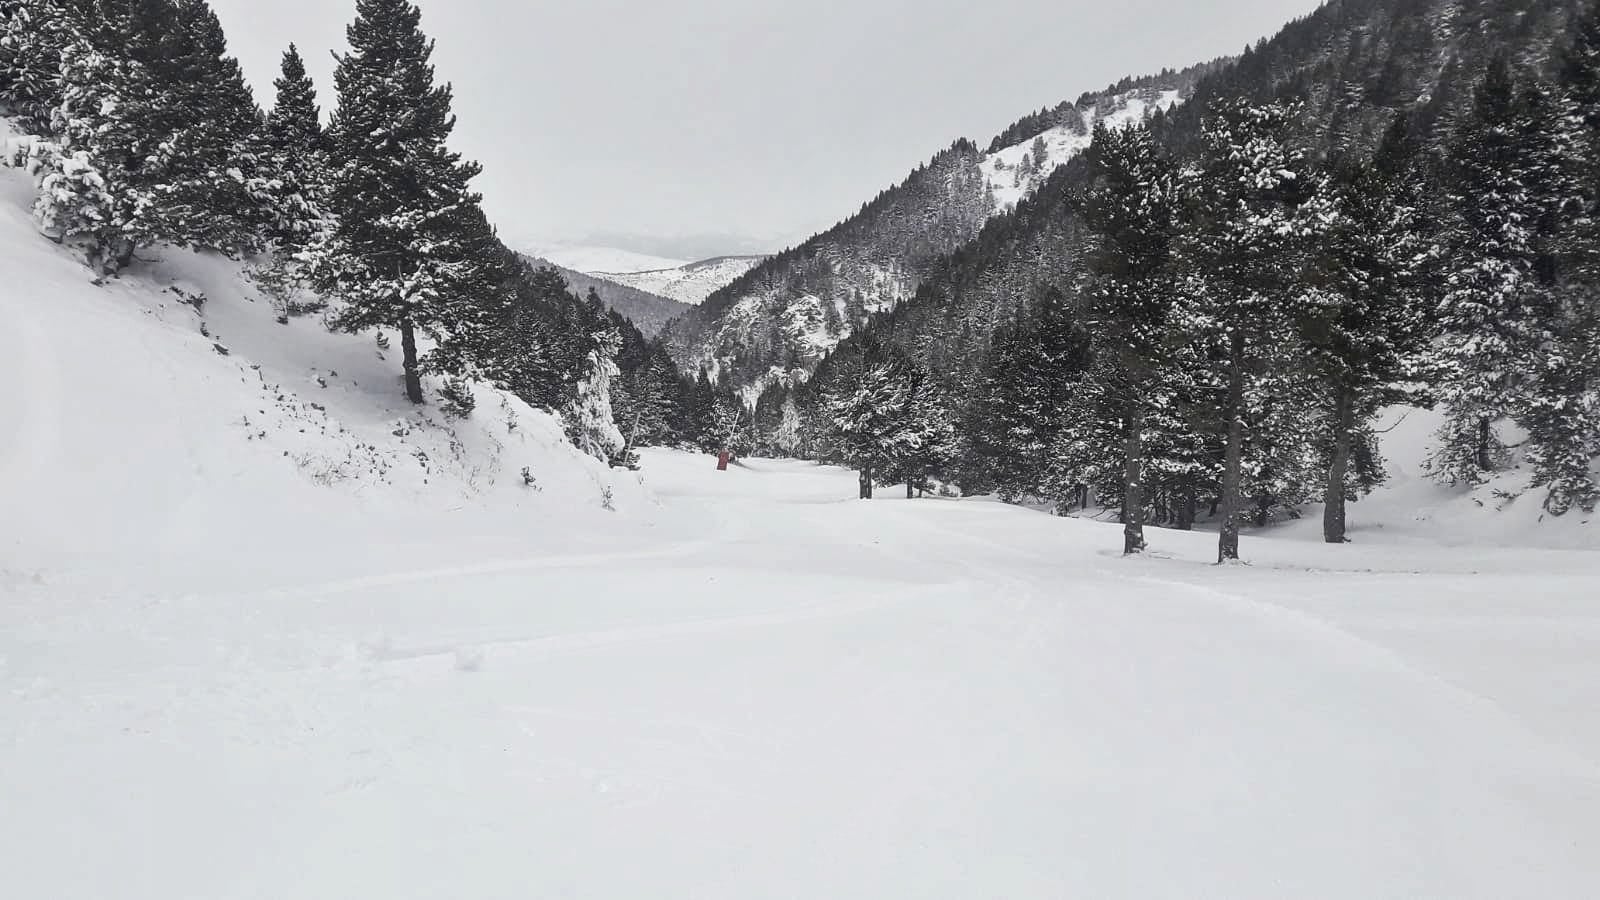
pixel 458 400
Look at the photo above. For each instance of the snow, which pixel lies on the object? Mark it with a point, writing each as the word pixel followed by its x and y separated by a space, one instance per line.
pixel 690 283
pixel 132 440
pixel 253 645
pixel 1412 509
pixel 1062 144
pixel 799 694
pixel 599 261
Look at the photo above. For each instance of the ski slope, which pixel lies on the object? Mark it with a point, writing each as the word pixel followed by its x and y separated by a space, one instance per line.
pixel 790 693
pixel 268 631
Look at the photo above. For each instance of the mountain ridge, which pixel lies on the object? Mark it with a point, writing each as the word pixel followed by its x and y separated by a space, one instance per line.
pixel 648 312
pixel 775 322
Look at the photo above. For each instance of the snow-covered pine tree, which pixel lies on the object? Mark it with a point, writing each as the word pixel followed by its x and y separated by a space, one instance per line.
pixel 1561 408
pixel 534 358
pixel 1487 314
pixel 1132 211
pixel 84 188
pixel 927 440
pixel 401 256
pixel 1362 318
pixel 291 188
pixel 591 424
pixel 1023 400
pixel 200 172
pixel 294 160
pixel 1257 207
pixel 151 103
pixel 33 34
pixel 867 415
pixel 787 437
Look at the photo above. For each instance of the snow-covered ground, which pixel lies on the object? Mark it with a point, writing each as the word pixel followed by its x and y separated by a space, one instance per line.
pixel 690 283
pixel 790 693
pixel 267 631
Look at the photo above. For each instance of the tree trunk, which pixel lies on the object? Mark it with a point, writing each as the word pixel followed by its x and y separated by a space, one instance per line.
pixel 408 346
pixel 1484 462
pixel 1333 521
pixel 866 482
pixel 911 490
pixel 1187 509
pixel 1233 459
pixel 1133 482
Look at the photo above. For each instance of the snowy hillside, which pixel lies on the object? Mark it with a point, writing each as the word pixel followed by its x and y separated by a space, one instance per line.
pixel 165 422
pixel 691 283
pixel 1015 171
pixel 815 296
pixel 598 260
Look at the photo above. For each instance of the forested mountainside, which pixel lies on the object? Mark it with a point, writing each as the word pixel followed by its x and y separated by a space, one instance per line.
pixel 1390 202
pixel 1353 64
pixel 777 321
pixel 647 311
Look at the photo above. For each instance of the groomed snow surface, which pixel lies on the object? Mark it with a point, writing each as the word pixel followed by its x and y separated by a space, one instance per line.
pixel 267 631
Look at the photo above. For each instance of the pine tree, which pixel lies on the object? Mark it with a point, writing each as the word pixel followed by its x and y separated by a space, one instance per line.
pixel 203 166
pixel 1031 375
pixel 151 103
pixel 400 256
pixel 926 442
pixel 1489 312
pixel 591 424
pixel 85 190
pixel 867 415
pixel 1362 318
pixel 290 188
pixel 294 158
pixel 1256 211
pixel 33 35
pixel 1132 210
pixel 1561 406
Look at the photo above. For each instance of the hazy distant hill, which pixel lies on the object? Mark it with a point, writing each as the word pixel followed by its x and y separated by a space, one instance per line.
pixel 648 312
pixel 690 283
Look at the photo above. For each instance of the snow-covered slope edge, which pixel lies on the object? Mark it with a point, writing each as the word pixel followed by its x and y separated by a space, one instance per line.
pixel 147 429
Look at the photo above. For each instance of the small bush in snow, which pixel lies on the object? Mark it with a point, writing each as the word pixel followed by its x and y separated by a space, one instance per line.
pixel 458 400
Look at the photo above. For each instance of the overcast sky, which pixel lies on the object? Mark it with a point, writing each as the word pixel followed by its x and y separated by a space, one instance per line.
pixel 747 119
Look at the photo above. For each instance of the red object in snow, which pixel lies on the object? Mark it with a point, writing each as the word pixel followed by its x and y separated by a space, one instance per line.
pixel 722 461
